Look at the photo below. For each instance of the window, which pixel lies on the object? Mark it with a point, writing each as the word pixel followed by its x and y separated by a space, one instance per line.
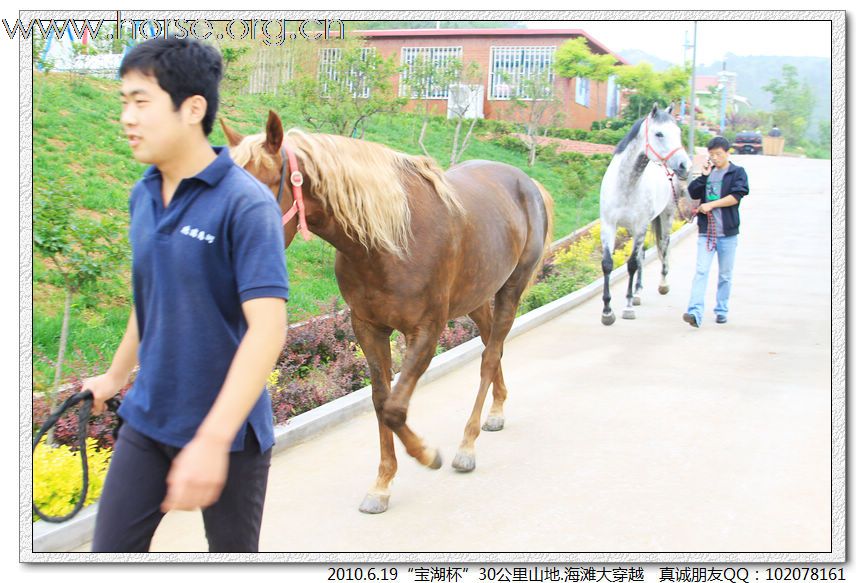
pixel 510 67
pixel 581 90
pixel 329 71
pixel 270 69
pixel 439 56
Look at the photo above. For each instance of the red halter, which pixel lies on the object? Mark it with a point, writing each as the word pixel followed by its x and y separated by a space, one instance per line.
pixel 661 159
pixel 296 179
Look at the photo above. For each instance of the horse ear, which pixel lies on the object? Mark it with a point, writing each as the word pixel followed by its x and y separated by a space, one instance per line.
pixel 273 142
pixel 670 108
pixel 654 110
pixel 232 136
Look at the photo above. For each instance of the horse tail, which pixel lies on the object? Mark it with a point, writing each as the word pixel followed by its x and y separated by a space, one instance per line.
pixel 548 236
pixel 548 205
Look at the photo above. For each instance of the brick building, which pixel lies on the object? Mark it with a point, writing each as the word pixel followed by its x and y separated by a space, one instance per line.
pixel 504 56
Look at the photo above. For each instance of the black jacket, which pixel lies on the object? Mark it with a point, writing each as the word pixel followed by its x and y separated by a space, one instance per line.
pixel 735 182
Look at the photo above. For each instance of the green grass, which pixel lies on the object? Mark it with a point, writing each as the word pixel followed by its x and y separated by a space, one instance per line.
pixel 78 145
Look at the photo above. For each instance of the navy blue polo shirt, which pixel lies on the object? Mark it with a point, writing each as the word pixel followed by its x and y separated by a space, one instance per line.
pixel 217 244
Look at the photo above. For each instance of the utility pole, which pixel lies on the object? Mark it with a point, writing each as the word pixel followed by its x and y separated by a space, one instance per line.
pixel 723 121
pixel 686 46
pixel 693 95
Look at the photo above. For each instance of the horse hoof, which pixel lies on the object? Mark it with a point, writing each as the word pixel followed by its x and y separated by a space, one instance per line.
pixel 437 461
pixel 463 462
pixel 629 314
pixel 636 301
pixel 663 289
pixel 494 424
pixel 608 319
pixel 374 503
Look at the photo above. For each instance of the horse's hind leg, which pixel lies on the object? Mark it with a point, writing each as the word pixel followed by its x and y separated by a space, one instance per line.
pixel 633 266
pixel 375 343
pixel 420 349
pixel 483 317
pixel 608 242
pixel 504 313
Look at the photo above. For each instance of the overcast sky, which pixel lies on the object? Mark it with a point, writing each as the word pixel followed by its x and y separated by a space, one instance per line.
pixel 665 39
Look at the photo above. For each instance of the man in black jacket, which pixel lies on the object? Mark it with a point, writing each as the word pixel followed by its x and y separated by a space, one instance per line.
pixel 719 190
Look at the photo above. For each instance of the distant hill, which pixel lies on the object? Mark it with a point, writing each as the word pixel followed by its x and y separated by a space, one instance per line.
pixel 753 72
pixel 636 56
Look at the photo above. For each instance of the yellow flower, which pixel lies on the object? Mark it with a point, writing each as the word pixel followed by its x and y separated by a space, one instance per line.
pixel 57 476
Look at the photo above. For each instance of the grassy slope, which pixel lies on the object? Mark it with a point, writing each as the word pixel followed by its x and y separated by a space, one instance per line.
pixel 78 144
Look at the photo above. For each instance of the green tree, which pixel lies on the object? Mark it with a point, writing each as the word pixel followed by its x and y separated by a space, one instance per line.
pixel 427 77
pixel 81 249
pixel 793 104
pixel 536 100
pixel 650 87
pixel 575 59
pixel 42 63
pixel 825 134
pixel 236 69
pixel 470 79
pixel 340 88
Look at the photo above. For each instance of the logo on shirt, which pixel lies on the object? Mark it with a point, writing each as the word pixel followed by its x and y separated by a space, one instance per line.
pixel 199 234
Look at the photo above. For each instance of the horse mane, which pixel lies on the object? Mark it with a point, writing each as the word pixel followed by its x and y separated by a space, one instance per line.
pixel 661 116
pixel 363 184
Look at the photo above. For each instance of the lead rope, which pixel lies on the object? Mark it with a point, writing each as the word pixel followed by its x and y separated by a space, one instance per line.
pixel 711 230
pixel 679 214
pixel 86 400
pixel 711 233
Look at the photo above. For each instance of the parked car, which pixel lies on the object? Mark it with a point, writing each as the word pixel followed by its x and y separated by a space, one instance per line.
pixel 748 143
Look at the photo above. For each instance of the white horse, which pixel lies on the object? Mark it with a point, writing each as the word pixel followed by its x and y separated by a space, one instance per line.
pixel 635 192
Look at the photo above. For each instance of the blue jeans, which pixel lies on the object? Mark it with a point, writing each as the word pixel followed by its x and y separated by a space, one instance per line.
pixel 726 249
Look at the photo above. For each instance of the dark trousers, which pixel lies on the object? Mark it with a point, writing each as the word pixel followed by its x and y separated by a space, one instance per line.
pixel 135 488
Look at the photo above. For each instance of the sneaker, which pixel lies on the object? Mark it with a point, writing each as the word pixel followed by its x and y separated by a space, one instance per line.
pixel 690 319
pixel 721 319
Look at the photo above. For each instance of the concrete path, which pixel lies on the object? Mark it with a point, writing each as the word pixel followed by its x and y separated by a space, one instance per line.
pixel 647 436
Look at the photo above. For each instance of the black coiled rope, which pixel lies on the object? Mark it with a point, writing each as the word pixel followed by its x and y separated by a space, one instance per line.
pixel 86 400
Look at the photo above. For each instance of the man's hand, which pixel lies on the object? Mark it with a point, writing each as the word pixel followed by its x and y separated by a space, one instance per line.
pixel 705 208
pixel 103 388
pixel 125 358
pixel 197 475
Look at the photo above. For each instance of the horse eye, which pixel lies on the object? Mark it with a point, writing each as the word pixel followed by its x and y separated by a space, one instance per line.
pixel 659 135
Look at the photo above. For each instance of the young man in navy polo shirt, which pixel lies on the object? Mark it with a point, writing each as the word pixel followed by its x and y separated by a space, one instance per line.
pixel 208 322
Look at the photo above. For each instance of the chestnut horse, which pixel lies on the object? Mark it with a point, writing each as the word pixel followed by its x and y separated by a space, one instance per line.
pixel 415 247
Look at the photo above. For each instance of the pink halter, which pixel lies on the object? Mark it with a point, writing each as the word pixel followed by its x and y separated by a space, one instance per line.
pixel 296 179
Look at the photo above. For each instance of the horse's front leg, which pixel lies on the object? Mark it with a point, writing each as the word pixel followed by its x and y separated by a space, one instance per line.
pixel 638 287
pixel 663 229
pixel 375 342
pixel 420 349
pixel 633 266
pixel 608 242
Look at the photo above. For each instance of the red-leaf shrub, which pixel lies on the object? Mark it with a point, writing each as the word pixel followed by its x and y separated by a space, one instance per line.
pixel 66 429
pixel 319 362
